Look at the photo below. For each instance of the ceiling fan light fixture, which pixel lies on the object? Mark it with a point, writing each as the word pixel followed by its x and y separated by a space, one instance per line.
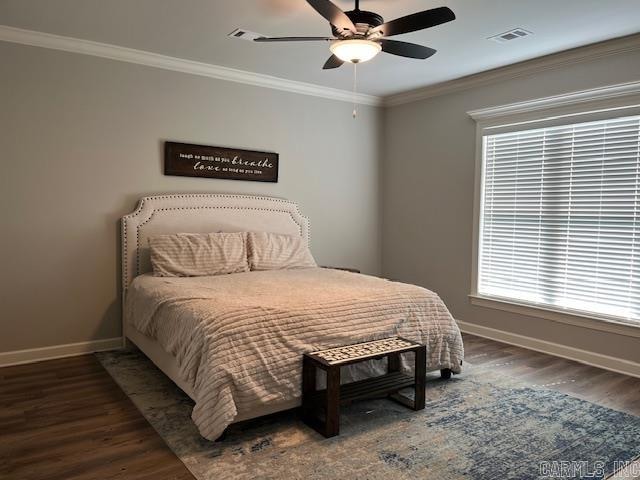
pixel 355 50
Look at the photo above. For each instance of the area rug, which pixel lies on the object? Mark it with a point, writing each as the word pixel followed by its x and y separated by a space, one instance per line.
pixel 477 426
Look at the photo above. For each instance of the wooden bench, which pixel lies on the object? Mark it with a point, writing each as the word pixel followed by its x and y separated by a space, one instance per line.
pixel 389 384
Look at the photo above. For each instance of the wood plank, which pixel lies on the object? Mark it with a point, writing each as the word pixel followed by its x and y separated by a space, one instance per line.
pixel 68 419
pixel 378 386
pixel 610 389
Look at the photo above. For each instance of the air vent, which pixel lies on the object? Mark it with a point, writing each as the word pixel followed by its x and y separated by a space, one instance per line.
pixel 514 34
pixel 244 34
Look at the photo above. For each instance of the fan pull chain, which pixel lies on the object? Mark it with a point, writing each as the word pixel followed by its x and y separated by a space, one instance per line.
pixel 355 83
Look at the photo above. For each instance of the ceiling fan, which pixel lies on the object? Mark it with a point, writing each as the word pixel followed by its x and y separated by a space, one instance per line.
pixel 360 35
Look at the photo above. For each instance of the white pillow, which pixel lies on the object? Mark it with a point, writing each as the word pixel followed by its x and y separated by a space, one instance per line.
pixel 276 251
pixel 198 254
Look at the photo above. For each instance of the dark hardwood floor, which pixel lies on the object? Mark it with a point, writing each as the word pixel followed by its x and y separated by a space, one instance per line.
pixel 610 389
pixel 67 419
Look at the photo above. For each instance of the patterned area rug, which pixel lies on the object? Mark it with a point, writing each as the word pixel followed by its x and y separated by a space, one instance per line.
pixel 478 426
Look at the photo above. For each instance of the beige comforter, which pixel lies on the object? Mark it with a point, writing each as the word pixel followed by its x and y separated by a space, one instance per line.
pixel 239 338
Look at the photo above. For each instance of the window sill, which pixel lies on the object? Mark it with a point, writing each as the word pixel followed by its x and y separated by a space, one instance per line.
pixel 569 317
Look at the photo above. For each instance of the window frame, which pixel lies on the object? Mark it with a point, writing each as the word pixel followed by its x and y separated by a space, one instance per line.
pixel 606 102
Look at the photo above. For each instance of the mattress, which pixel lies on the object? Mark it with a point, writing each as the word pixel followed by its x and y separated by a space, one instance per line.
pixel 238 339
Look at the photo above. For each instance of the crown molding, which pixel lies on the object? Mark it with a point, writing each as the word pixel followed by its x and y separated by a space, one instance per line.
pixel 573 98
pixel 591 52
pixel 150 59
pixel 114 52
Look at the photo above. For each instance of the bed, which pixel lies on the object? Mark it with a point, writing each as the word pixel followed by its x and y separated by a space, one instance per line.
pixel 234 343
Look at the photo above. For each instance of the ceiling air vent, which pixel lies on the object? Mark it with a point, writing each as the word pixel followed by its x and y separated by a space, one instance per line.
pixel 244 34
pixel 514 34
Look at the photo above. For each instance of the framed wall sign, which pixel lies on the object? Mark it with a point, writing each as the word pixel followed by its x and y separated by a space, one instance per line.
pixel 187 160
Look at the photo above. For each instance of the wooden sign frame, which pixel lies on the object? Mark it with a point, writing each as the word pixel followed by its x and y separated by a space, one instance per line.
pixel 204 161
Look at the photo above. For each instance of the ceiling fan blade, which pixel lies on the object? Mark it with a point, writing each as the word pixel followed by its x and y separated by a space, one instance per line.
pixel 333 14
pixel 416 21
pixel 406 49
pixel 333 62
pixel 292 39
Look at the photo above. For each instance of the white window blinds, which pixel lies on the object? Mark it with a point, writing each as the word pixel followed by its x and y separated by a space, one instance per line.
pixel 560 221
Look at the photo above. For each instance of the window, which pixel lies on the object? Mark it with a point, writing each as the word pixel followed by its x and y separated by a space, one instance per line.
pixel 560 217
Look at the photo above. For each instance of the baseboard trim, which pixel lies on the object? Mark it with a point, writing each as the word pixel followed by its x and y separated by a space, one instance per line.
pixel 31 355
pixel 593 359
pixel 619 365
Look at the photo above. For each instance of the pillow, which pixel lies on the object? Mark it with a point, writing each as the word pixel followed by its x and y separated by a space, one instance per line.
pixel 276 251
pixel 198 254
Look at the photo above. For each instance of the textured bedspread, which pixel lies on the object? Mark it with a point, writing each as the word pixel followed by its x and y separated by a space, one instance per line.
pixel 239 338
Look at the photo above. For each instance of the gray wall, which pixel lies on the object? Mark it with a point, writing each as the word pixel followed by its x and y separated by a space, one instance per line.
pixel 81 141
pixel 428 193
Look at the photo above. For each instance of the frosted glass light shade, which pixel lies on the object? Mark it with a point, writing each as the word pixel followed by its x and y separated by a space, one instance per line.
pixel 355 51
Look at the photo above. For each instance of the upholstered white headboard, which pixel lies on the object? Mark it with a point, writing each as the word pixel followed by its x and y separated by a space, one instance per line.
pixel 202 213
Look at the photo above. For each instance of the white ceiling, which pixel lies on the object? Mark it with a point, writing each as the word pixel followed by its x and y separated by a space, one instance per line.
pixel 197 30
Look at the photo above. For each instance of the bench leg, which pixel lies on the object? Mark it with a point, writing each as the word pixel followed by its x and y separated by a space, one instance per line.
pixel 393 362
pixel 420 377
pixel 332 419
pixel 308 387
pixel 330 427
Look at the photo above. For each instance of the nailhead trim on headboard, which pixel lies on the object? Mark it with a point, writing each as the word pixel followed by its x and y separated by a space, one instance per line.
pixel 141 205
